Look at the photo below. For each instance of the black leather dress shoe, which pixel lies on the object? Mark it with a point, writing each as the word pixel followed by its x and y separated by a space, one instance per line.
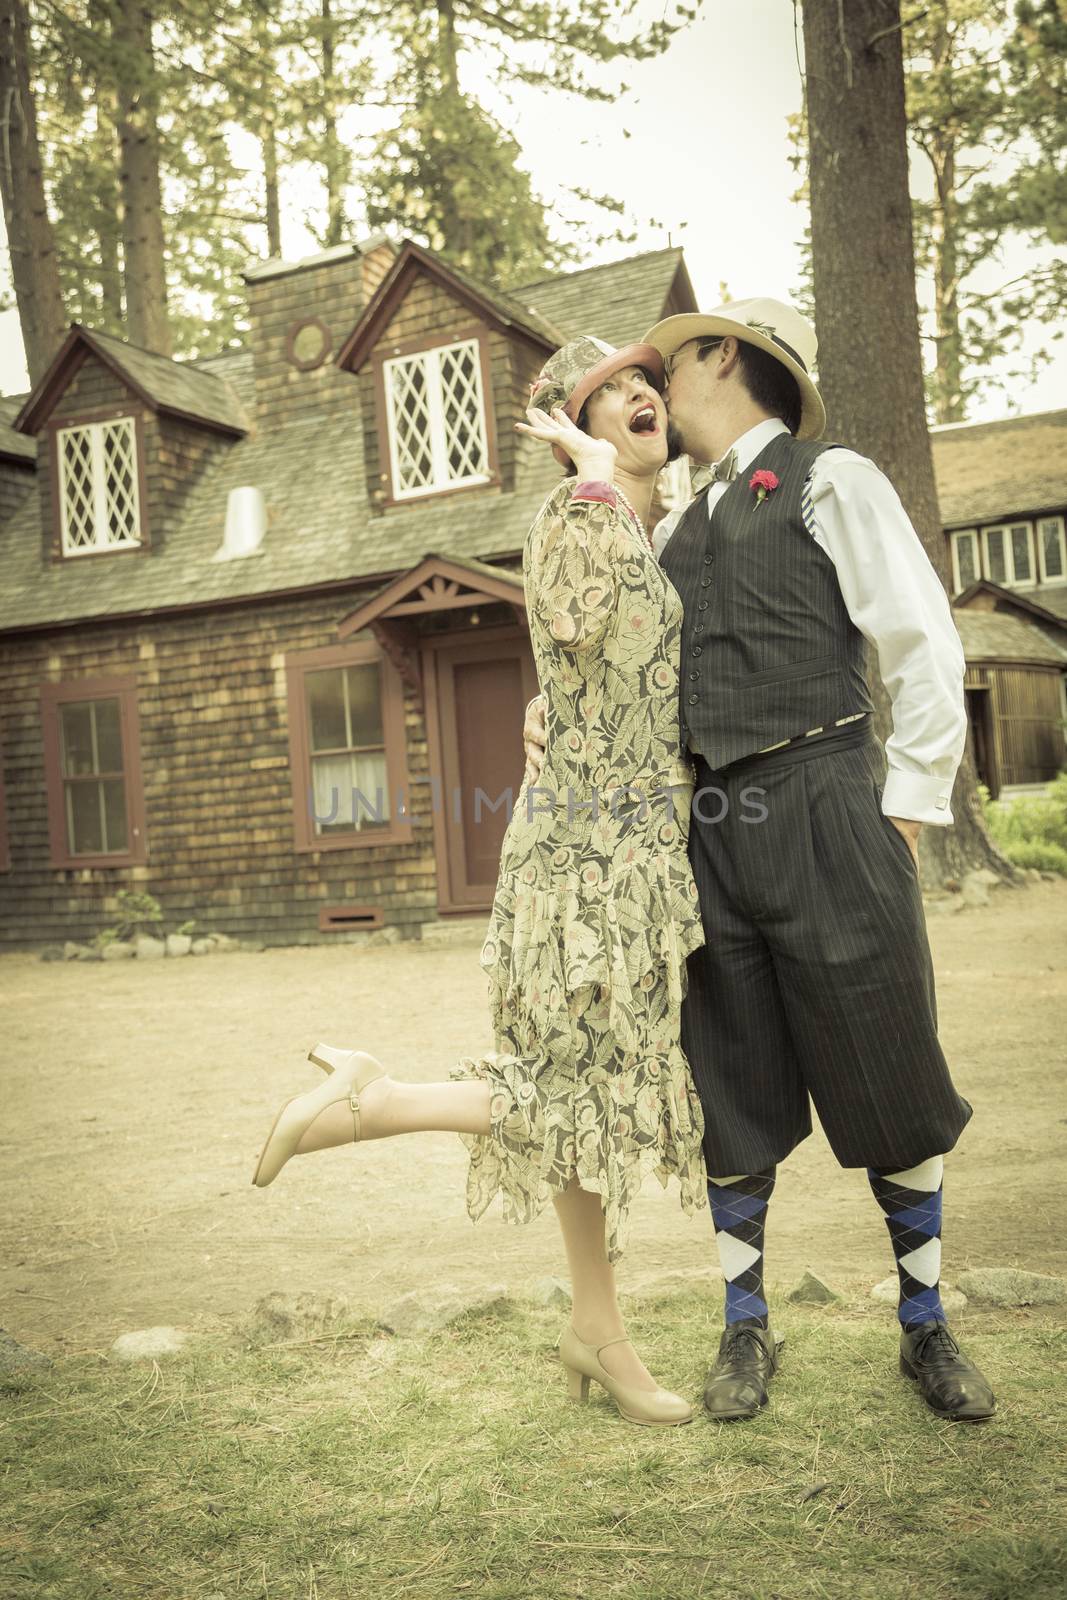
pixel 948 1382
pixel 737 1384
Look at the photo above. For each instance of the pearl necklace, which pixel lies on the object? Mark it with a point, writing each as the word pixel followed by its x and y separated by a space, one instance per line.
pixel 638 519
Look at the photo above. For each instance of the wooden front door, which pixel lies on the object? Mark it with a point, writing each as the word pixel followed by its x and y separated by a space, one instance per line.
pixel 980 718
pixel 477 687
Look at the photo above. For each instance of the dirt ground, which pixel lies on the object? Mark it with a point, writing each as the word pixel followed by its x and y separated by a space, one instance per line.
pixel 136 1098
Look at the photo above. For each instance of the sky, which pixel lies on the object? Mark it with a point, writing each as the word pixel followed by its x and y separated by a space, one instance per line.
pixel 698 150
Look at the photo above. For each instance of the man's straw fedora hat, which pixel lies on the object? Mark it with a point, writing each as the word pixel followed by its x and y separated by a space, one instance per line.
pixel 770 325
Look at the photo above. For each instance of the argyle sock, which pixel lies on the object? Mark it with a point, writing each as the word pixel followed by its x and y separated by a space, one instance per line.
pixel 911 1200
pixel 739 1211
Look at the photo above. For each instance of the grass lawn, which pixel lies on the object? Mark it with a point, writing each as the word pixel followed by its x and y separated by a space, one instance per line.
pixel 363 1465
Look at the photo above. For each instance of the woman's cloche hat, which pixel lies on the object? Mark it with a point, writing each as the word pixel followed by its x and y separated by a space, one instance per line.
pixel 770 325
pixel 570 376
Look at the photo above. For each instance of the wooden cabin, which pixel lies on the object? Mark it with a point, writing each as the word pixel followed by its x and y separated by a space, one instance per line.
pixel 1002 489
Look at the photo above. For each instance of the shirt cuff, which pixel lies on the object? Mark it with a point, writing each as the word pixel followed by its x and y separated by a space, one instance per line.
pixel 917 797
pixel 596 490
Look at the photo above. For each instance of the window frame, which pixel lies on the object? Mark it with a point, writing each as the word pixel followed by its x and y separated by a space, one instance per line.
pixel 965 533
pixel 1061 576
pixel 404 350
pixel 97 419
pixel 1007 528
pixel 52 697
pixel 298 664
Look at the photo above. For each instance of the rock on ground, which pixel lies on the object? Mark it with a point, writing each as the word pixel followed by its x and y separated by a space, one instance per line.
pixel 1010 1286
pixel 149 1344
pixel 813 1291
pixel 552 1292
pixel 118 950
pixel 279 1316
pixel 15 1357
pixel 429 1310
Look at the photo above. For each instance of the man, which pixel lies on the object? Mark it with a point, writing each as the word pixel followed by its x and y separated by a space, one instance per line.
pixel 815 979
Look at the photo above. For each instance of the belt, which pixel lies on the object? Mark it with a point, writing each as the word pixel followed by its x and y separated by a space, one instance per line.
pixel 840 735
pixel 799 738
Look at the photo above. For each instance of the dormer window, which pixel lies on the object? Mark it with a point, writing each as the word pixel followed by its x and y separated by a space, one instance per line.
pixel 436 420
pixel 99 502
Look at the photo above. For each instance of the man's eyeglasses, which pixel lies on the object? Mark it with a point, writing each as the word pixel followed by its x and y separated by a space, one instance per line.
pixel 671 362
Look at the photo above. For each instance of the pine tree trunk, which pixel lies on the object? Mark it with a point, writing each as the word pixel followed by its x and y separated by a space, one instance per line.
pixel 950 406
pixel 334 156
pixel 458 230
pixel 31 240
pixel 142 200
pixel 866 312
pixel 108 225
pixel 942 156
pixel 272 202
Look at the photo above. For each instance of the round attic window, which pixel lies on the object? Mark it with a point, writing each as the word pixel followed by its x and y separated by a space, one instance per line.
pixel 308 343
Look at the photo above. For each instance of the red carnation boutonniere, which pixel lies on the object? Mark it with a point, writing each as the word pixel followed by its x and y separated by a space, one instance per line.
pixel 763 482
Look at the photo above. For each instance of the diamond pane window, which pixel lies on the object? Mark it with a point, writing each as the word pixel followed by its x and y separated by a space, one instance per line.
pixel 98 485
pixel 94 788
pixel 348 770
pixel 437 435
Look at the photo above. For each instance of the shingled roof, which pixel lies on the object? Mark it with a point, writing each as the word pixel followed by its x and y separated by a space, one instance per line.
pixel 993 636
pixel 182 388
pixel 989 471
pixel 15 446
pixel 618 302
pixel 1054 598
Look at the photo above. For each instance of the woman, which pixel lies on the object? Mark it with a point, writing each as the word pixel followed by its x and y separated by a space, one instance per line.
pixel 595 907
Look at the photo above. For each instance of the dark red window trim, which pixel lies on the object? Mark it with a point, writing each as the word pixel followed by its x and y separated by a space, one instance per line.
pixel 398 829
pixel 53 695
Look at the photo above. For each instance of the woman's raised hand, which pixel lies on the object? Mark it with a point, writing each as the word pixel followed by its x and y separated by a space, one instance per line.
pixel 594 459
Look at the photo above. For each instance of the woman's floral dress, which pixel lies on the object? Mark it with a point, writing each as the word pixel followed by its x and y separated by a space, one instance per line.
pixel 595 908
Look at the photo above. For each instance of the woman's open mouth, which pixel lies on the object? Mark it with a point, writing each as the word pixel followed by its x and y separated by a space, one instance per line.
pixel 644 420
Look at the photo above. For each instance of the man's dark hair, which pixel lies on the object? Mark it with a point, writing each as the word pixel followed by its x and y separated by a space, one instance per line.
pixel 771 385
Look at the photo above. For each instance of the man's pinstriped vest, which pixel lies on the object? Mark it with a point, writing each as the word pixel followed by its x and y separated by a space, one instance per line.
pixel 768 647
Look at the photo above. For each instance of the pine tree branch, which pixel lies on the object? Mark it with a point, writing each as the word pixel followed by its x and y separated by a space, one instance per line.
pixel 897 27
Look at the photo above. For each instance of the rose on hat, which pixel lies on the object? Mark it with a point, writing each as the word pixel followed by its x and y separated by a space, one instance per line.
pixel 577 369
pixel 770 325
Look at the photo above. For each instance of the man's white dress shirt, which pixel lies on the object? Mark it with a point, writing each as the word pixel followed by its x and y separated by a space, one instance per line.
pixel 897 602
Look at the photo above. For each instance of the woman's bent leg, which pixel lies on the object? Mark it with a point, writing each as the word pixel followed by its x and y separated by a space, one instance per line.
pixel 389 1107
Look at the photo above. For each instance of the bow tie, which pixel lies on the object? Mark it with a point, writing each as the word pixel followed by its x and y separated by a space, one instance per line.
pixel 724 471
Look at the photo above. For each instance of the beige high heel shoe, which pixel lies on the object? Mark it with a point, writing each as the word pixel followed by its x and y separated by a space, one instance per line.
pixel 350 1072
pixel 650 1408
